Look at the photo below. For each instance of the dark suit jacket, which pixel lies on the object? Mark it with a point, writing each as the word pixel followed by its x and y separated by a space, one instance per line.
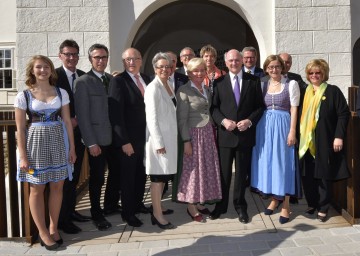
pixel 63 83
pixel 92 109
pixel 181 70
pixel 180 80
pixel 259 72
pixel 127 111
pixel 224 106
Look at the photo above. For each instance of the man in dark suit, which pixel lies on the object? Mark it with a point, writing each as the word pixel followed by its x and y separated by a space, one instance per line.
pixel 186 54
pixel 250 58
pixel 91 105
pixel 237 107
pixel 67 73
pixel 127 115
pixel 176 79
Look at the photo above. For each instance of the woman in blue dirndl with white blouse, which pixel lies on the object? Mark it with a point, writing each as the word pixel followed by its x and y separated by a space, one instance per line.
pixel 45 146
pixel 274 171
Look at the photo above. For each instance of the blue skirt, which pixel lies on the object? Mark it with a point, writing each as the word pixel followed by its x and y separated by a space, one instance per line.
pixel 274 169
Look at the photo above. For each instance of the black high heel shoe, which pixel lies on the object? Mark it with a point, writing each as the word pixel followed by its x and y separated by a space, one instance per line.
pixel 60 241
pixel 49 247
pixel 283 219
pixel 269 211
pixel 154 221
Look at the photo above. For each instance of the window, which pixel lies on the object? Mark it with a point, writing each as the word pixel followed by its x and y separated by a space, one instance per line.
pixel 6 69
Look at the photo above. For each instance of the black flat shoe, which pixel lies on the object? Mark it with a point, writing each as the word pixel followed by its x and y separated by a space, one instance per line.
pixel 283 219
pixel 102 224
pixel 204 211
pixel 69 228
pixel 322 218
pixel 310 211
pixel 154 221
pixel 60 241
pixel 132 221
pixel 49 247
pixel 76 216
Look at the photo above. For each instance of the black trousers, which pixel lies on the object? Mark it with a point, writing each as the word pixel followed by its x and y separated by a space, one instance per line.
pixel 96 181
pixel 132 180
pixel 112 191
pixel 242 158
pixel 69 189
pixel 317 192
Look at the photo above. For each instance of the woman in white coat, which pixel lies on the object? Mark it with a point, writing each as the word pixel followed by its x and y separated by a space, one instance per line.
pixel 161 135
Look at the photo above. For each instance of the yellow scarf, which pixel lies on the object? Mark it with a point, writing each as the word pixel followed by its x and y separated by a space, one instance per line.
pixel 309 118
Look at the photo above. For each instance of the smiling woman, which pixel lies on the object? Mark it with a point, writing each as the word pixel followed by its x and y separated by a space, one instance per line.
pixel 46 147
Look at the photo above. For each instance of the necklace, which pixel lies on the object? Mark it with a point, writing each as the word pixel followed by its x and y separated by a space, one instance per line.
pixel 274 83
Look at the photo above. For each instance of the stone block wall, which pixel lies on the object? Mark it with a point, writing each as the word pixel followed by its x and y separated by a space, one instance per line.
pixel 43 24
pixel 309 29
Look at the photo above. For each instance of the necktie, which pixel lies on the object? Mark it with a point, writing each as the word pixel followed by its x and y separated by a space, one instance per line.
pixel 139 84
pixel 73 81
pixel 105 82
pixel 249 71
pixel 237 90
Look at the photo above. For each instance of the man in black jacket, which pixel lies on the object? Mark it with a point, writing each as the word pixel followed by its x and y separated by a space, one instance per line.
pixel 67 73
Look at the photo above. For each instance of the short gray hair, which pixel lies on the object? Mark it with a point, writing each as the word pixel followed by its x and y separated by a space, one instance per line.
pixel 249 49
pixel 161 56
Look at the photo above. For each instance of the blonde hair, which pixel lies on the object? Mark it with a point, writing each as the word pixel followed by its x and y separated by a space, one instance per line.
pixel 320 64
pixel 195 63
pixel 30 77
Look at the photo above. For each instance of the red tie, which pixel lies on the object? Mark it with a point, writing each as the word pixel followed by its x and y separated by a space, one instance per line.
pixel 139 84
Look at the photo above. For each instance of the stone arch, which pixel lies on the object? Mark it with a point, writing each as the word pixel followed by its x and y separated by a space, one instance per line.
pixel 174 25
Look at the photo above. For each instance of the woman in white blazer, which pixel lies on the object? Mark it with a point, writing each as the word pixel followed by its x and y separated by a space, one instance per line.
pixel 161 135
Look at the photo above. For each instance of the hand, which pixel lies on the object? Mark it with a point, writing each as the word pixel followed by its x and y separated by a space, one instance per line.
pixel 188 148
pixel 229 124
pixel 72 156
pixel 243 125
pixel 74 122
pixel 161 151
pixel 24 164
pixel 128 149
pixel 95 150
pixel 291 139
pixel 338 144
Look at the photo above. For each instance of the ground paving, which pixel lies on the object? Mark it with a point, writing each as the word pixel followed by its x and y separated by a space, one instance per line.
pixel 264 235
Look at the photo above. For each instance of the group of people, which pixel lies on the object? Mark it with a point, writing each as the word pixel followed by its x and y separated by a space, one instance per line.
pixel 183 125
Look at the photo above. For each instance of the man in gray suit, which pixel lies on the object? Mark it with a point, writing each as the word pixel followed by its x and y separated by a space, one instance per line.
pixel 91 105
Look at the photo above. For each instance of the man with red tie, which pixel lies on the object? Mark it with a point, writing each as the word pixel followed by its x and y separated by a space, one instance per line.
pixel 127 116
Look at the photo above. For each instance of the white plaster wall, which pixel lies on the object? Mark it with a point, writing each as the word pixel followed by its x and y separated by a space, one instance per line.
pixel 7 22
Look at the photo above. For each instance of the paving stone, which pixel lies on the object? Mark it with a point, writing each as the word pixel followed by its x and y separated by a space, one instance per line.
pixel 196 249
pixel 154 244
pixel 272 252
pixel 224 247
pixel 296 251
pixel 308 241
pixel 326 249
pixel 253 245
pixel 344 231
pixel 350 247
pixel 165 252
pixel 281 244
pixel 95 248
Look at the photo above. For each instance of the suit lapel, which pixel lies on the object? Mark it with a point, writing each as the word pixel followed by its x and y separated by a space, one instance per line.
pixel 229 90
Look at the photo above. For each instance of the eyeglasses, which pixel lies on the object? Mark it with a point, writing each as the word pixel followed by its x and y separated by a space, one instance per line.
pixel 248 58
pixel 100 57
pixel 163 67
pixel 314 73
pixel 274 67
pixel 69 54
pixel 187 55
pixel 129 59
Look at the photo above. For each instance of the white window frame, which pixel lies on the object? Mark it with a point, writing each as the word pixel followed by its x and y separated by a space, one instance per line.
pixel 11 69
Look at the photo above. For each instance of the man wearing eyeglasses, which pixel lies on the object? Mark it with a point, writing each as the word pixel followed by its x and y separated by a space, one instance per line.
pixel 67 73
pixel 91 105
pixel 186 55
pixel 249 59
pixel 127 116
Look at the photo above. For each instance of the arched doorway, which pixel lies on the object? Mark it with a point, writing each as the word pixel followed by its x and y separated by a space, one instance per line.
pixel 356 63
pixel 193 24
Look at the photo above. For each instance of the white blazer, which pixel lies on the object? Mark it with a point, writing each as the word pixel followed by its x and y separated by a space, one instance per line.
pixel 161 130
